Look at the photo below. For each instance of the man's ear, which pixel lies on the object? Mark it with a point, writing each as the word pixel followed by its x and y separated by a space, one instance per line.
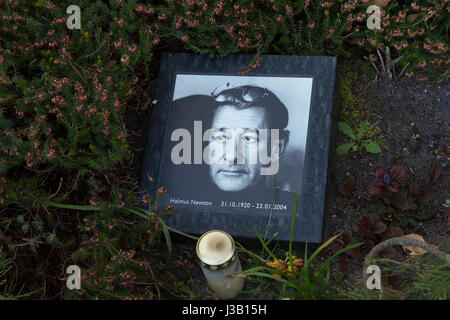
pixel 279 146
pixel 284 140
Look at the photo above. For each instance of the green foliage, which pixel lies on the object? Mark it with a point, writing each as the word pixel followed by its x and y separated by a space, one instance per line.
pixel 296 278
pixel 418 278
pixel 117 257
pixel 115 269
pixel 65 94
pixel 358 142
pixel 62 103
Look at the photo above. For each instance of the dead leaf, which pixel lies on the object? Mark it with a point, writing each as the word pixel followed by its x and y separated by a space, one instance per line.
pixel 412 17
pixel 391 232
pixel 343 263
pixel 414 251
pixel 347 236
pixel 381 3
pixel 435 173
pixel 111 63
pixel 349 187
pixel 388 253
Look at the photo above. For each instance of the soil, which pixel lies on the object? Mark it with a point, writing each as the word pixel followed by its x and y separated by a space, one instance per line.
pixel 414 121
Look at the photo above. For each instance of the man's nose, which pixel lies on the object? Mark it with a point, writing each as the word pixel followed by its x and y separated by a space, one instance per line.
pixel 234 150
pixel 230 150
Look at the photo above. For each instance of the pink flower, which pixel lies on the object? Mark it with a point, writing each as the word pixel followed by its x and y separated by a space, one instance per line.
pixel 51 154
pixel 161 191
pixel 289 10
pixel 118 43
pixel 125 59
pixel 330 33
pixel 94 202
pixel 146 198
pixel 185 38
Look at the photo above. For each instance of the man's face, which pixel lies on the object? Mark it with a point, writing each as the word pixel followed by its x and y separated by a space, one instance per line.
pixel 233 140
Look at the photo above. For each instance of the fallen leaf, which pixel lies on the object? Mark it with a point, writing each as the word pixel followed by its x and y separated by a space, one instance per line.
pixel 111 63
pixel 398 174
pixel 391 232
pixel 414 187
pixel 355 252
pixel 376 190
pixel 388 253
pixel 381 3
pixel 435 173
pixel 412 17
pixel 343 263
pixel 349 187
pixel 414 251
pixel 347 236
pixel 400 201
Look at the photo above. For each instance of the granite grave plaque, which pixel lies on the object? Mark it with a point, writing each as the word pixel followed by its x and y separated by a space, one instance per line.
pixel 232 149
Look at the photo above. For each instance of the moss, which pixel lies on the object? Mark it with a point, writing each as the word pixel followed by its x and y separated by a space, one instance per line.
pixel 355 109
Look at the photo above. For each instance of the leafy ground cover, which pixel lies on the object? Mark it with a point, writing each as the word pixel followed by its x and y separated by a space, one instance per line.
pixel 74 107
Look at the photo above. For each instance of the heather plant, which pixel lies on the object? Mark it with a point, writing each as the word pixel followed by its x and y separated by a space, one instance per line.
pixel 416 32
pixel 65 94
pixel 65 108
pixel 116 258
pixel 118 252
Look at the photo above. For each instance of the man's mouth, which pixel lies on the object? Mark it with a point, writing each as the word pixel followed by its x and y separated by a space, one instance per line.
pixel 232 172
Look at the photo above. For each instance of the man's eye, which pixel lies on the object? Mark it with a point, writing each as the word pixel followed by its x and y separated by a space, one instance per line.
pixel 218 138
pixel 249 139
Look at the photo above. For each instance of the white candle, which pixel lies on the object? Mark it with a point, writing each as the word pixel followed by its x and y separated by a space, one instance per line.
pixel 219 261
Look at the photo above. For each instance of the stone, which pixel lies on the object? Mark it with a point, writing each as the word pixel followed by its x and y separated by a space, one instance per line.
pixel 208 121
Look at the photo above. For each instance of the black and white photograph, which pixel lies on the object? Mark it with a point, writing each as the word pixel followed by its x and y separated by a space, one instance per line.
pixel 238 142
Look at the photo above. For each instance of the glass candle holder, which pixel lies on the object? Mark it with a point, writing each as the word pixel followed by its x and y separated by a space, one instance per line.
pixel 219 262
